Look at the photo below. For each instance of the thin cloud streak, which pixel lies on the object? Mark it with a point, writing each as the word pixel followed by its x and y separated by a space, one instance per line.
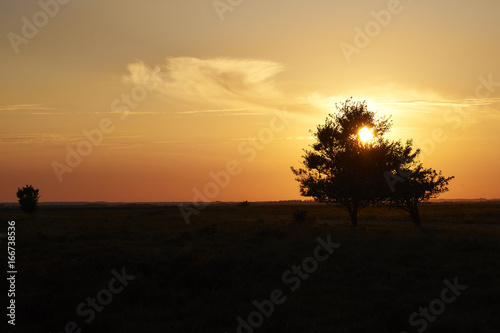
pixel 33 138
pixel 24 107
pixel 444 102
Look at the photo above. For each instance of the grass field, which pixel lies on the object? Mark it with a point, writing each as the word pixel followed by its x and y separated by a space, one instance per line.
pixel 201 277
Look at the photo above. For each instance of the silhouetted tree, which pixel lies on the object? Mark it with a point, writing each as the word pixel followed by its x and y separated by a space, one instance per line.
pixel 413 185
pixel 341 169
pixel 28 198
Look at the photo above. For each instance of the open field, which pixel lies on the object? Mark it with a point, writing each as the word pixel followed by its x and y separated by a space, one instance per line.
pixel 201 277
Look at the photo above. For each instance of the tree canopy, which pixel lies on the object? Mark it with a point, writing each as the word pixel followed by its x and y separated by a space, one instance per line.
pixel 350 168
pixel 415 185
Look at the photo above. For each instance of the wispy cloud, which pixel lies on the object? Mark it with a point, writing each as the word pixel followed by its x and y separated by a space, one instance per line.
pixel 288 138
pixel 38 138
pixel 175 141
pixel 428 104
pixel 445 102
pixel 120 146
pixel 29 109
pixel 24 107
pixel 33 138
pixel 222 82
pixel 223 111
pixel 248 87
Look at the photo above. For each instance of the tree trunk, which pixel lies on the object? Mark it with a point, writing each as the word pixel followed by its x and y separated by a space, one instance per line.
pixel 415 214
pixel 353 214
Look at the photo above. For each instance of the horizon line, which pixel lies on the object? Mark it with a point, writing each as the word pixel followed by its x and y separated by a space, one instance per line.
pixel 217 201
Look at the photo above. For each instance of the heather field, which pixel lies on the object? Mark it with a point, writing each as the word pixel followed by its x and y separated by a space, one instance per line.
pixel 256 268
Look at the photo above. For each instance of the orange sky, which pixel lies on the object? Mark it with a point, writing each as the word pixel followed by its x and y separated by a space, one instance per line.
pixel 173 94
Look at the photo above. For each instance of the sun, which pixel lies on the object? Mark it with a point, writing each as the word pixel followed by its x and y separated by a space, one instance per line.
pixel 366 134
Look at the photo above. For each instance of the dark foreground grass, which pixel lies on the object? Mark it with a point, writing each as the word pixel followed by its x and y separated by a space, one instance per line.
pixel 202 276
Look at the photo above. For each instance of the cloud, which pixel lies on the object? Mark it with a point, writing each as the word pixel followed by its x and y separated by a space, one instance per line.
pixel 29 109
pixel 247 87
pixel 215 83
pixel 406 101
pixel 32 138
pixel 23 107
pixel 446 102
pixel 120 146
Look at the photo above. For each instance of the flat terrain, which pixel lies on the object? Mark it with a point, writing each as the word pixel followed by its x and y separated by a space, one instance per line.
pixel 201 277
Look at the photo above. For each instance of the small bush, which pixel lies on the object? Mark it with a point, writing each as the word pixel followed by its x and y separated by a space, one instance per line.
pixel 28 198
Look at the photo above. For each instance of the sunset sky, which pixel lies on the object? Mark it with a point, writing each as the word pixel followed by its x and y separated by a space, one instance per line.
pixel 181 90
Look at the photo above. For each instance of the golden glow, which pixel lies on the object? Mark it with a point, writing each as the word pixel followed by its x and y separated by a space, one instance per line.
pixel 196 95
pixel 366 134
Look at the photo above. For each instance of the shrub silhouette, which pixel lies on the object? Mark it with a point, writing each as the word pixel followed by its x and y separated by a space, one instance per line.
pixel 244 204
pixel 28 198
